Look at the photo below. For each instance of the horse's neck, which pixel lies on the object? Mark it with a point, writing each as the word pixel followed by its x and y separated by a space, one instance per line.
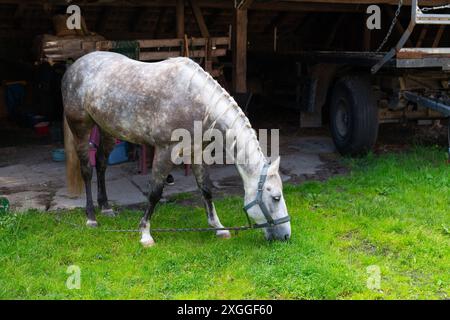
pixel 222 112
pixel 245 149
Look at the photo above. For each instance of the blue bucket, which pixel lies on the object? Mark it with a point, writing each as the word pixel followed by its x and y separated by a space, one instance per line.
pixel 119 153
pixel 58 155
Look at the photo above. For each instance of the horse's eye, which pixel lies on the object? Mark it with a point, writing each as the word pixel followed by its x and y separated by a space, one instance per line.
pixel 276 198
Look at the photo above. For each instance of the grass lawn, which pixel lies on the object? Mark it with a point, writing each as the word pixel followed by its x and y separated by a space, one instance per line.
pixel 391 212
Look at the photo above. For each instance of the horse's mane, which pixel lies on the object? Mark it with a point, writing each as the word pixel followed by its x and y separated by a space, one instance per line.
pixel 217 88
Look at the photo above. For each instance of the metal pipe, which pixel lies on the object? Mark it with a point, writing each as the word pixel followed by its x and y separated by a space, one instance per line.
pixel 427 102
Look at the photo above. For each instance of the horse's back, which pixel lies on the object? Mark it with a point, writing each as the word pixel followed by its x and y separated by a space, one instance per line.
pixel 81 76
pixel 106 75
pixel 84 74
pixel 127 97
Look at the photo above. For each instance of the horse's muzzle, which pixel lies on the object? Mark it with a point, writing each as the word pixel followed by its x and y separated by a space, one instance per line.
pixel 280 232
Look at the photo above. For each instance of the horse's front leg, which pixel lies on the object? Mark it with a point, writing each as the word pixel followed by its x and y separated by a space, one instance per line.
pixel 162 165
pixel 204 184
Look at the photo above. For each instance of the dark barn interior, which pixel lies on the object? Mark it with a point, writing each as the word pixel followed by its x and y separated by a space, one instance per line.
pixel 258 64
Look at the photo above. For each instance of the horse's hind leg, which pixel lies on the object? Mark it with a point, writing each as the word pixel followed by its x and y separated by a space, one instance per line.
pixel 162 165
pixel 82 132
pixel 104 149
pixel 204 184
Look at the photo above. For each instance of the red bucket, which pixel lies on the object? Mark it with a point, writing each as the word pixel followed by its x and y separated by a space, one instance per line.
pixel 42 129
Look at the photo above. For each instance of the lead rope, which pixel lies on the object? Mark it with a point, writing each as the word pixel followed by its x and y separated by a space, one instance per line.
pixel 60 220
pixel 448 140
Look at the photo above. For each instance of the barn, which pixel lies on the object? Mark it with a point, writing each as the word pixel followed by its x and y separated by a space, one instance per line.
pixel 340 81
pixel 287 52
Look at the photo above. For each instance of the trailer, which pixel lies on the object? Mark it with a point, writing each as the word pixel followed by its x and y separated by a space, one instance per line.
pixel 360 90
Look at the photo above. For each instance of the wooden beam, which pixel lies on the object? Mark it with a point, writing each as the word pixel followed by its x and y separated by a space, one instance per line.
pixel 180 18
pixel 275 21
pixel 212 18
pixel 102 18
pixel 48 9
pixel 294 5
pixel 422 36
pixel 240 51
pixel 218 4
pixel 438 37
pixel 367 39
pixel 303 21
pixel 244 4
pixel 158 25
pixel 18 15
pixel 337 23
pixel 199 18
pixel 193 42
pixel 136 18
pixel 405 2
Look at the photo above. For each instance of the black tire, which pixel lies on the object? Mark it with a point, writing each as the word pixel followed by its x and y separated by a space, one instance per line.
pixel 353 115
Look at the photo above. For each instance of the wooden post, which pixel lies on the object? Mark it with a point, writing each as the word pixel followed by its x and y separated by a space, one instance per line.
pixel 422 36
pixel 240 51
pixel 438 36
pixel 180 19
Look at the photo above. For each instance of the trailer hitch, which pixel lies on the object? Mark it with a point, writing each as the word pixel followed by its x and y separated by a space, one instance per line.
pixel 442 107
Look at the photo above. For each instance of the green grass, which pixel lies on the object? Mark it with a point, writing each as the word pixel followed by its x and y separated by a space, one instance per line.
pixel 391 211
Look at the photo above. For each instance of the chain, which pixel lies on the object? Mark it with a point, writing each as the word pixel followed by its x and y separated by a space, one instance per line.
pixel 391 28
pixel 182 229
pixel 59 219
pixel 447 6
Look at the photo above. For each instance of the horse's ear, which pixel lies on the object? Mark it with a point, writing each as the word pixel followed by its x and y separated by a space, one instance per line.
pixel 274 166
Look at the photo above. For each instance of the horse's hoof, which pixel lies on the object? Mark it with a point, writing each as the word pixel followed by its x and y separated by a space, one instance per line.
pixel 92 223
pixel 148 243
pixel 108 212
pixel 223 234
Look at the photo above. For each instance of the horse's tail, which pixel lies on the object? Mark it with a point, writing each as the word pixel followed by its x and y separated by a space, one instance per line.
pixel 73 172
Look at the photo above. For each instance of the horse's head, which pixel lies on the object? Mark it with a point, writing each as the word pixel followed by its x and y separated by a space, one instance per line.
pixel 264 202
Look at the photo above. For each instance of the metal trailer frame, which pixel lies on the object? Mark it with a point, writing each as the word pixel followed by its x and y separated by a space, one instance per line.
pixel 427 57
pixel 433 104
pixel 391 72
pixel 417 17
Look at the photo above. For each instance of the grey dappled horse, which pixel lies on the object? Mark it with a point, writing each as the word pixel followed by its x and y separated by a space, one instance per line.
pixel 144 103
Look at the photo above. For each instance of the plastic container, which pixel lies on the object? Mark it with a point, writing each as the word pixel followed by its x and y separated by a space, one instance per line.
pixel 119 154
pixel 58 155
pixel 30 119
pixel 42 129
pixel 4 205
pixel 38 119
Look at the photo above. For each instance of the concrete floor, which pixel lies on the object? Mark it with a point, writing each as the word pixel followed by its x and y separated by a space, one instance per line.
pixel 30 179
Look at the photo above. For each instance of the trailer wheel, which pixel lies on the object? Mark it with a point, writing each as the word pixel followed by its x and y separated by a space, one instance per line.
pixel 353 115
